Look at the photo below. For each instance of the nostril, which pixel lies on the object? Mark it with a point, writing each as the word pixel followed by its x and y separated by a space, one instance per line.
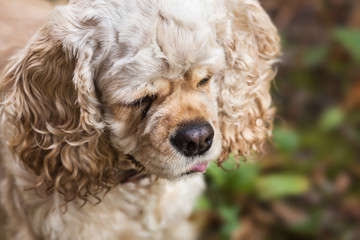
pixel 190 149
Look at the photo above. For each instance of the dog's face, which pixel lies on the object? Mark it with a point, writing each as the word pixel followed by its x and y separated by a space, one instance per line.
pixel 160 99
pixel 171 85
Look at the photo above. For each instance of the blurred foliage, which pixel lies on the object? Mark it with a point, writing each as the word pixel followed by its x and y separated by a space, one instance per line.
pixel 307 186
pixel 350 40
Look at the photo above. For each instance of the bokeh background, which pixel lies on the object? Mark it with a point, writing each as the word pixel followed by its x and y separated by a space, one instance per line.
pixel 307 185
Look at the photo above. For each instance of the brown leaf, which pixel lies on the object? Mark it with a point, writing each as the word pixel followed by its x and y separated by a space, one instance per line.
pixel 247 230
pixel 342 183
pixel 352 99
pixel 289 214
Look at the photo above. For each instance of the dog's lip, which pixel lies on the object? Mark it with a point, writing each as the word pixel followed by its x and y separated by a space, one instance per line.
pixel 197 168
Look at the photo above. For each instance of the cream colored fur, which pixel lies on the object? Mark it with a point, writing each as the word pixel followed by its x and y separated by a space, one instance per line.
pixel 74 129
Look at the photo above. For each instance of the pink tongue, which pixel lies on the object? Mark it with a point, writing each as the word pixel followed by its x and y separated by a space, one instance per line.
pixel 201 167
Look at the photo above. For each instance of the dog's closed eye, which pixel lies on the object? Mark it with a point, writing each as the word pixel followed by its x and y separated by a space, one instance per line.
pixel 144 102
pixel 204 81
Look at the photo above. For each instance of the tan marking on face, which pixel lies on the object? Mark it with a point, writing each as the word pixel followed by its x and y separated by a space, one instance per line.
pixel 177 101
pixel 184 104
pixel 194 77
pixel 124 124
pixel 159 87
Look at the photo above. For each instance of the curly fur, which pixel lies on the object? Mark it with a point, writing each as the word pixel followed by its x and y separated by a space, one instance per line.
pixel 61 131
pixel 70 122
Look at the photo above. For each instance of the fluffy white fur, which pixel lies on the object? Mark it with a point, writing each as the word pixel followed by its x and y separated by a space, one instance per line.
pixel 69 121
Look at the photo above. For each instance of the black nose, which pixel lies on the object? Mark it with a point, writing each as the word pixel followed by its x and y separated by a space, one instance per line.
pixel 193 139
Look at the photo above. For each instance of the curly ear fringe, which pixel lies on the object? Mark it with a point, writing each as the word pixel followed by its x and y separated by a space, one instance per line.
pixel 50 117
pixel 251 44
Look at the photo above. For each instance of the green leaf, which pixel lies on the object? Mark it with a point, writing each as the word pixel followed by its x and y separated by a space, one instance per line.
pixel 286 139
pixel 311 224
pixel 331 119
pixel 217 175
pixel 203 203
pixel 230 216
pixel 315 56
pixel 241 179
pixel 220 176
pixel 281 185
pixel 350 40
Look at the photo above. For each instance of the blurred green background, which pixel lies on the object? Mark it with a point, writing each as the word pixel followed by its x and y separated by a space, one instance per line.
pixel 307 186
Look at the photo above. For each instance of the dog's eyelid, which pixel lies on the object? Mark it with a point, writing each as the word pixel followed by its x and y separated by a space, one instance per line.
pixel 204 80
pixel 144 100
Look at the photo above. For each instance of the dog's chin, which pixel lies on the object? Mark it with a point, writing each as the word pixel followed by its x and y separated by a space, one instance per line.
pixel 196 169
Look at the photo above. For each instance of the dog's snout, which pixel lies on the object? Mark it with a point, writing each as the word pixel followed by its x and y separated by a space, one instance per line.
pixel 193 139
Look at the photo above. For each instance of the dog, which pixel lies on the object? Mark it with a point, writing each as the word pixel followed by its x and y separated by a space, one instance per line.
pixel 115 108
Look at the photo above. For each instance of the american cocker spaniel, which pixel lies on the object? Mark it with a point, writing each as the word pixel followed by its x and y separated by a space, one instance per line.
pixel 114 108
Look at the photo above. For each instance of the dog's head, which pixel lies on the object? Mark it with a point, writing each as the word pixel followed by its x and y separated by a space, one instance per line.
pixel 171 85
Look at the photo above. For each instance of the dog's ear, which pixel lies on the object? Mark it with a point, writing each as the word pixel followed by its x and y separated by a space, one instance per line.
pixel 50 112
pixel 251 45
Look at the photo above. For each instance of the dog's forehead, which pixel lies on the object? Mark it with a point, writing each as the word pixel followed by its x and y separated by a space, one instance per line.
pixel 134 22
pixel 180 29
pixel 155 40
pixel 162 39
